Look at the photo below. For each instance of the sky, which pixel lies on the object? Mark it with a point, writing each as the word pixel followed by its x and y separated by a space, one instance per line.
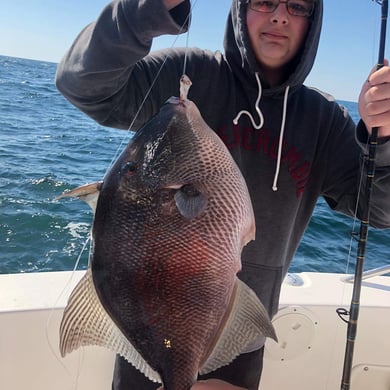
pixel 45 29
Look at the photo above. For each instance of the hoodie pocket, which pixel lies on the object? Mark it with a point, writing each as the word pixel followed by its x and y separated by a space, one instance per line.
pixel 265 281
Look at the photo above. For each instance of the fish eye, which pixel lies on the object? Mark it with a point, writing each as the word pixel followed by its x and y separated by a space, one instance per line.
pixel 129 168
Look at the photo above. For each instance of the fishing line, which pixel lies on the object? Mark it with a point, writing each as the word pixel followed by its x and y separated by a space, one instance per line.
pixel 187 43
pixel 65 292
pixel 129 129
pixel 354 233
pixel 124 139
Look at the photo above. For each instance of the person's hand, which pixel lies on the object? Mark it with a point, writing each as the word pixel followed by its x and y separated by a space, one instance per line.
pixel 214 384
pixel 172 3
pixel 374 101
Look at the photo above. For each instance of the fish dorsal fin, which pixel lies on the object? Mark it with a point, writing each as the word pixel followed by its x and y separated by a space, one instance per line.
pixel 86 322
pixel 89 193
pixel 244 331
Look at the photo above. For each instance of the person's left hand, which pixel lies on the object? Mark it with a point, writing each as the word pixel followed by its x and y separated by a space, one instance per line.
pixel 374 101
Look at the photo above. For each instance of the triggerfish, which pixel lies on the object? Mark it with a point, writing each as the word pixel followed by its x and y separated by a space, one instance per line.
pixel 171 218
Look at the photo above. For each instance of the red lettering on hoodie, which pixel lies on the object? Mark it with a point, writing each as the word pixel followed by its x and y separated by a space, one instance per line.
pixel 230 138
pixel 248 138
pixel 292 158
pixel 261 141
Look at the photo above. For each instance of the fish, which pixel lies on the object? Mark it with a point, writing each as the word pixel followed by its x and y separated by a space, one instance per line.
pixel 172 216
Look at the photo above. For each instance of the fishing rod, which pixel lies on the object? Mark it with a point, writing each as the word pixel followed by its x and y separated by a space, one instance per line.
pixel 363 233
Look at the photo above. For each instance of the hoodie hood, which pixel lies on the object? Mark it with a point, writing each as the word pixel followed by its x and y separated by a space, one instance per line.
pixel 241 57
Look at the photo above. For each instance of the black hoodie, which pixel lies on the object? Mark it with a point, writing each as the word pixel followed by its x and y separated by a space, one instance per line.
pixel 299 140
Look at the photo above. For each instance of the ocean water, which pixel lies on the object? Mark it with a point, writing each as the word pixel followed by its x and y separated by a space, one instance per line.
pixel 48 146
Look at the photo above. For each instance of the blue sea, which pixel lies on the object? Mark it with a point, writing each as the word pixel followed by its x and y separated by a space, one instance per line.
pixel 47 146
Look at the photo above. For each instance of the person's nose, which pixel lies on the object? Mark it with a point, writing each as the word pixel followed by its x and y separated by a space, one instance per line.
pixel 280 15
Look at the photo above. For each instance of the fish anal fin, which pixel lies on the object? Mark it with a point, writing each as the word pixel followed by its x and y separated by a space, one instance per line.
pixel 244 330
pixel 86 322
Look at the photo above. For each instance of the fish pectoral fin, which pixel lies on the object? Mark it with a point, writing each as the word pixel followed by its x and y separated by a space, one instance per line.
pixel 89 193
pixel 86 322
pixel 244 331
pixel 190 202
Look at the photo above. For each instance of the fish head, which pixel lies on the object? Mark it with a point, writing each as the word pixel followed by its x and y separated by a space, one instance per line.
pixel 176 164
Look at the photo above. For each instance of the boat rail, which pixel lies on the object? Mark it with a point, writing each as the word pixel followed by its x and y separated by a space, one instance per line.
pixel 368 274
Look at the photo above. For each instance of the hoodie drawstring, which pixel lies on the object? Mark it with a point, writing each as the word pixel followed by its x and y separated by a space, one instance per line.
pixel 280 147
pixel 257 108
pixel 260 125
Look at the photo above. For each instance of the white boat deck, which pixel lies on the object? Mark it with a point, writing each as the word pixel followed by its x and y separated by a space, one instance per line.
pixel 309 354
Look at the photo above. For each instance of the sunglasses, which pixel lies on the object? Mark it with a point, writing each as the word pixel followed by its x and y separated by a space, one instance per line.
pixel 294 7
